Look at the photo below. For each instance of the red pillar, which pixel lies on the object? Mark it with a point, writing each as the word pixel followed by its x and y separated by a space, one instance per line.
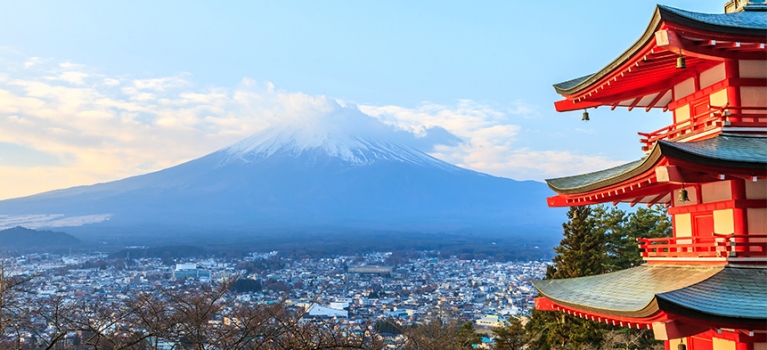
pixel 739 219
pixel 731 70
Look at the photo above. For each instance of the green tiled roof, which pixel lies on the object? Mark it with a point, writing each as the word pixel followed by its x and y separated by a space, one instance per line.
pixel 726 150
pixel 748 22
pixel 629 292
pixel 575 182
pixel 752 23
pixel 734 292
pixel 572 82
pixel 734 150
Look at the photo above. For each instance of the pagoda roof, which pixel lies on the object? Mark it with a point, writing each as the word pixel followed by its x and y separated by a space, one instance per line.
pixel 724 293
pixel 732 150
pixel 640 75
pixel 733 292
pixel 724 150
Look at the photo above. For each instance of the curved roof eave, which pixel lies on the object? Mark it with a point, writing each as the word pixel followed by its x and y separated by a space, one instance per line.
pixel 572 86
pixel 599 179
pixel 714 297
pixel 735 24
pixel 725 150
pixel 729 150
pixel 627 293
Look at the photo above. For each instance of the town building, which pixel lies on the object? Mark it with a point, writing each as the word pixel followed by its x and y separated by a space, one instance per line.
pixel 372 269
pixel 705 287
pixel 189 270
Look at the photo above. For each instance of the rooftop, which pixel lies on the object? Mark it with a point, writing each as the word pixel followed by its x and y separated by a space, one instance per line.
pixel 715 292
pixel 724 150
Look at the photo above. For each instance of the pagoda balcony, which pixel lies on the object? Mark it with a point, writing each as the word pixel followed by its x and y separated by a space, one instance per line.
pixel 710 122
pixel 720 247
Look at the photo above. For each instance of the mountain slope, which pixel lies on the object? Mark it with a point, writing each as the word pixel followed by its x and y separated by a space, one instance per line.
pixel 302 177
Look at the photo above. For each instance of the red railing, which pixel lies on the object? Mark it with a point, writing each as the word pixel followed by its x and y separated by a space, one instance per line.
pixel 731 246
pixel 715 117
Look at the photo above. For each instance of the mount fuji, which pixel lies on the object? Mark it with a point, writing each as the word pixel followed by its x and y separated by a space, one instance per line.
pixel 359 175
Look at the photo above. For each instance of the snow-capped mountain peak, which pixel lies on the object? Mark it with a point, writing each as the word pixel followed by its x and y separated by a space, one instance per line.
pixel 351 146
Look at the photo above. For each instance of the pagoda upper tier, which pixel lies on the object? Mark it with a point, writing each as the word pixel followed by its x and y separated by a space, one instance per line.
pixel 710 70
pixel 704 287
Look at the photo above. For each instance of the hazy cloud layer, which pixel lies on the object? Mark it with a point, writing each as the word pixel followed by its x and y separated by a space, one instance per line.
pixel 82 127
pixel 489 140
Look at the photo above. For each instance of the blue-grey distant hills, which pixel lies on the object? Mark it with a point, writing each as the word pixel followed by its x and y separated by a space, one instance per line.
pixel 20 237
pixel 298 177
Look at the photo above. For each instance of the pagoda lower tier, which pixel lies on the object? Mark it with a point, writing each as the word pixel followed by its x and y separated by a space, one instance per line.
pixel 704 288
pixel 658 297
pixel 707 284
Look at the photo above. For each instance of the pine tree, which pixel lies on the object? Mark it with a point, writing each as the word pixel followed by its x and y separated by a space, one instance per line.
pixel 621 231
pixel 468 336
pixel 582 250
pixel 510 336
pixel 580 253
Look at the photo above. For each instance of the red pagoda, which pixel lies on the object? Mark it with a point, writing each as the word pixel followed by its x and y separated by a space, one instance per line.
pixel 705 287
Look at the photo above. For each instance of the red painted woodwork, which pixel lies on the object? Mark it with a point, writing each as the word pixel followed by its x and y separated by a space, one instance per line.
pixel 701 328
pixel 731 69
pixel 700 343
pixel 707 246
pixel 710 207
pixel 704 225
pixel 706 118
pixel 707 91
pixel 728 172
pixel 544 304
pixel 740 220
pixel 641 81
pixel 700 106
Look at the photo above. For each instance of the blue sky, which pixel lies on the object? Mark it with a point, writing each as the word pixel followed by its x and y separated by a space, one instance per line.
pixel 97 91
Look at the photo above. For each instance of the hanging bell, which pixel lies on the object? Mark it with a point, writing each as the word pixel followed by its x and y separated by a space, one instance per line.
pixel 683 197
pixel 681 63
pixel 681 347
pixel 585 116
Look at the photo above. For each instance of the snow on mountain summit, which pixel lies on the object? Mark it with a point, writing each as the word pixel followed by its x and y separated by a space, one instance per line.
pixel 357 141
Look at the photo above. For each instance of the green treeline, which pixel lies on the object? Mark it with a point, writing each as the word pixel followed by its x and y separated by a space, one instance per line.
pixel 596 240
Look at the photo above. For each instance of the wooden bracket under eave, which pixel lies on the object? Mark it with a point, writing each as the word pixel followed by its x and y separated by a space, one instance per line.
pixel 675 330
pixel 675 175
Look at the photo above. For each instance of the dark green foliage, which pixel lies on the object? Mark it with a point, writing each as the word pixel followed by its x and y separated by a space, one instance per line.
pixel 623 247
pixel 596 240
pixel 439 334
pixel 622 231
pixel 582 250
pixel 245 285
pixel 580 253
pixel 388 327
pixel 631 339
pixel 468 336
pixel 511 336
pixel 550 330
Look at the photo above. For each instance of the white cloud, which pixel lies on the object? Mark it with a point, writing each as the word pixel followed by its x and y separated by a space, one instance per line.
pixel 162 84
pixel 32 61
pixel 72 77
pixel 111 82
pixel 102 133
pixel 489 137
